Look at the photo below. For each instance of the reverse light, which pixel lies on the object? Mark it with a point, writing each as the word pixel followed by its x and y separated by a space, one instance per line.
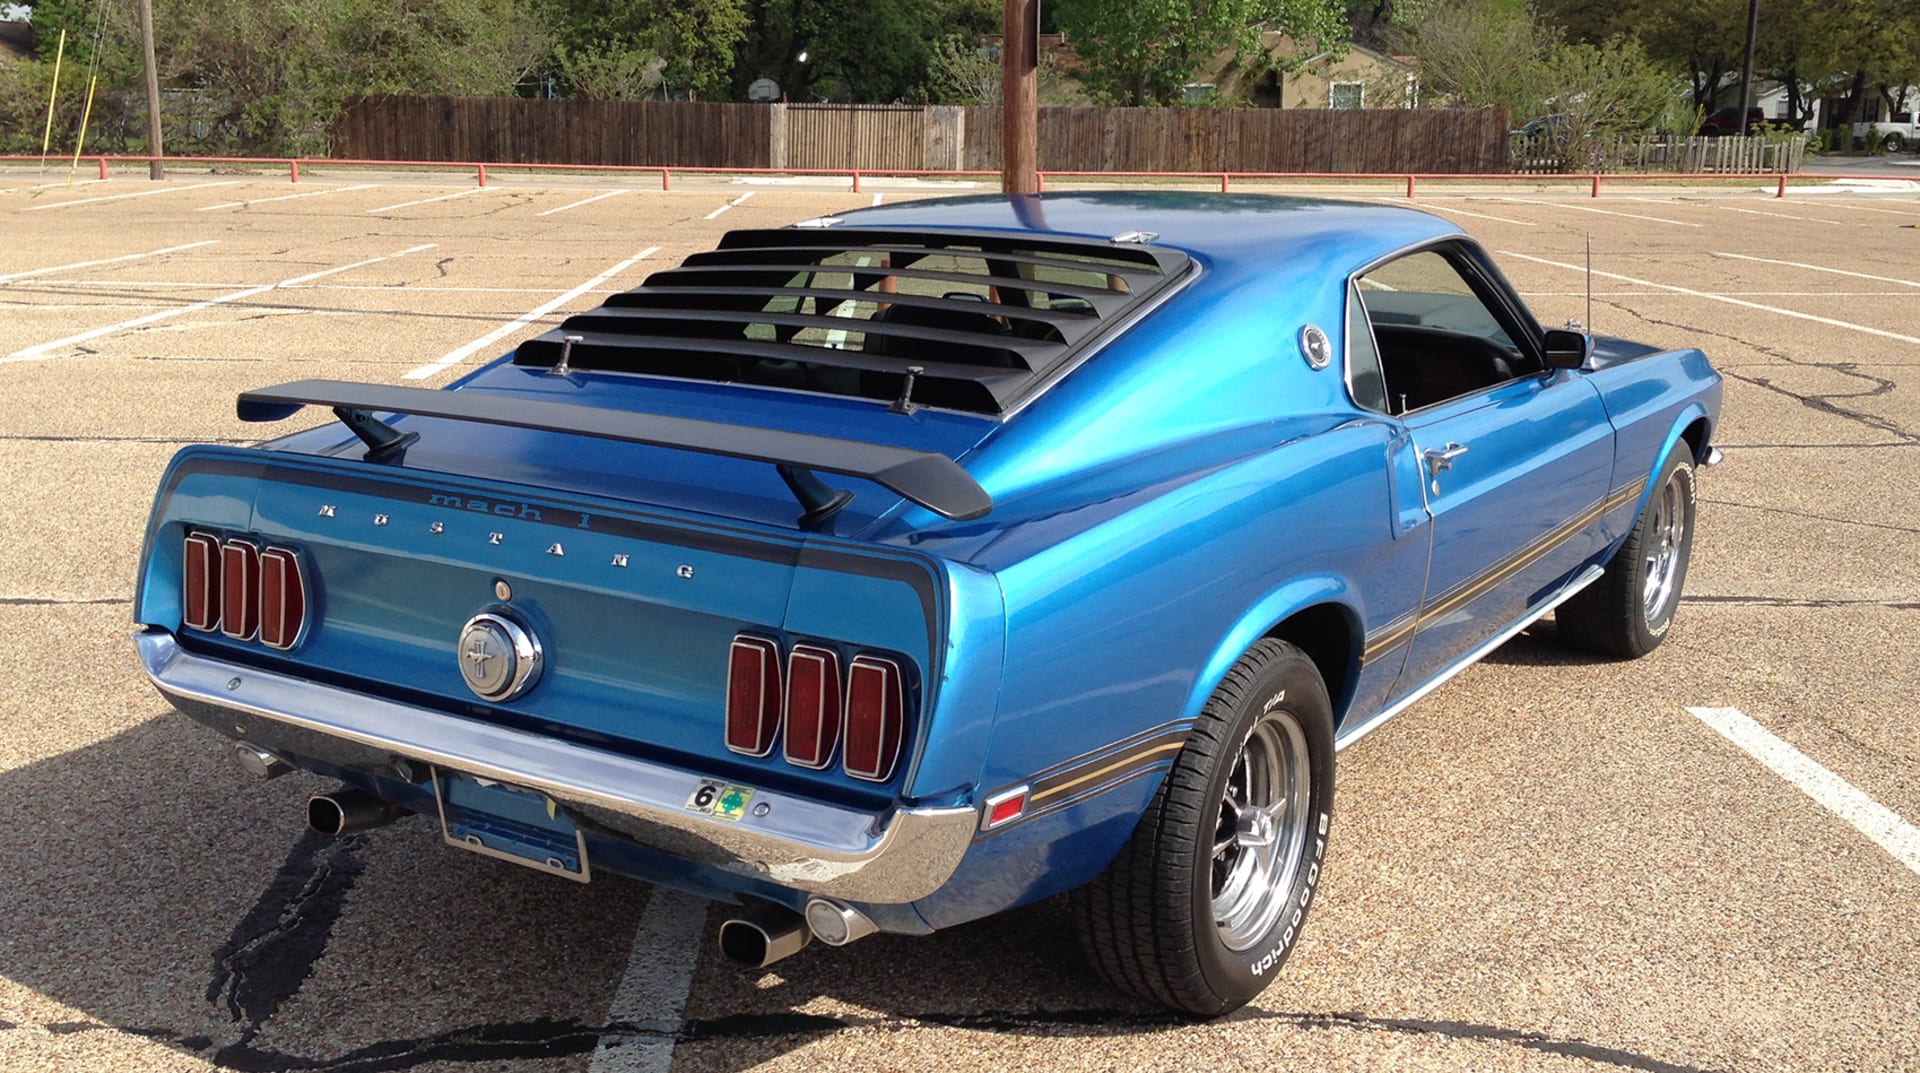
pixel 753 695
pixel 876 714
pixel 813 706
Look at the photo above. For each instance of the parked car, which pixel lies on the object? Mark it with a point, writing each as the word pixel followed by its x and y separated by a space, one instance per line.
pixel 1727 121
pixel 899 568
pixel 1897 131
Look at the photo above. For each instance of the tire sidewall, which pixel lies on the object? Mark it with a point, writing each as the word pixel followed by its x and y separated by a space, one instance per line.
pixel 1676 469
pixel 1292 683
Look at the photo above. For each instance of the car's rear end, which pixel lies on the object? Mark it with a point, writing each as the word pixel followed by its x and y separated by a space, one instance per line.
pixel 610 607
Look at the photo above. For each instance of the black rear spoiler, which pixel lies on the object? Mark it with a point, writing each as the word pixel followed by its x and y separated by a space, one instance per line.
pixel 934 481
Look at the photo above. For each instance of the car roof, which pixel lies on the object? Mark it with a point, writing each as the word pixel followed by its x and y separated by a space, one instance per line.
pixel 1257 232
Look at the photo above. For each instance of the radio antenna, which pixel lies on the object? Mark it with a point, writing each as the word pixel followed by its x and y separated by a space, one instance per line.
pixel 1589 284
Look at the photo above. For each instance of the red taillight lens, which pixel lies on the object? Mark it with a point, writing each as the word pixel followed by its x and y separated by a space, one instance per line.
pixel 283 598
pixel 813 706
pixel 200 584
pixel 753 695
pixel 239 590
pixel 876 715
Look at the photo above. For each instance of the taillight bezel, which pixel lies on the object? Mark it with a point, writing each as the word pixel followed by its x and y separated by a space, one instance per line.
pixel 771 693
pixel 212 569
pixel 247 599
pixel 893 709
pixel 282 560
pixel 830 702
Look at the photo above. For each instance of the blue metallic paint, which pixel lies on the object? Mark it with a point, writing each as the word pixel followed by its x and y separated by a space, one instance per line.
pixel 1164 505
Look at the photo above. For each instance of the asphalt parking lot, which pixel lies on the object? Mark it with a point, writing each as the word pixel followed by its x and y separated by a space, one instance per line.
pixel 1551 863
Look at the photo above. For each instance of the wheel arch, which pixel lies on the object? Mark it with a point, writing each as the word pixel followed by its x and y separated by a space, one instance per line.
pixel 1315 615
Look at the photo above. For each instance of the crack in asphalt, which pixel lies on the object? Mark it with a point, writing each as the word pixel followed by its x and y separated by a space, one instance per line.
pixel 60 601
pixel 547 1038
pixel 275 946
pixel 1816 602
pixel 1821 402
pixel 122 439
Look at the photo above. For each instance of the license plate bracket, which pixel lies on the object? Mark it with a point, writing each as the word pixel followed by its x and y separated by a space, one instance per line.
pixel 509 823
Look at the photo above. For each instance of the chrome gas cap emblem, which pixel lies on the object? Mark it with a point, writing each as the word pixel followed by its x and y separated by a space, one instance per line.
pixel 1315 347
pixel 499 656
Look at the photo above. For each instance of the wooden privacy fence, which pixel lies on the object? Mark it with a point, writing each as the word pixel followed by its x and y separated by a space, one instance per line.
pixel 1548 154
pixel 513 130
pixel 915 138
pixel 1255 139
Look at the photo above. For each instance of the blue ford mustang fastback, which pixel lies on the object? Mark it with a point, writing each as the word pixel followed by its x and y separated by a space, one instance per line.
pixel 894 569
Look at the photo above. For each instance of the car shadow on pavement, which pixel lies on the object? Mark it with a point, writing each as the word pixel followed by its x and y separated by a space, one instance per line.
pixel 151 890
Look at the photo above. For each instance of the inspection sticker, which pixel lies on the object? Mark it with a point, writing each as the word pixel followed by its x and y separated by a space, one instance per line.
pixel 720 800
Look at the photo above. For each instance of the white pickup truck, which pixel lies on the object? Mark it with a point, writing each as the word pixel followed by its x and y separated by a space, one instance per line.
pixel 1896 133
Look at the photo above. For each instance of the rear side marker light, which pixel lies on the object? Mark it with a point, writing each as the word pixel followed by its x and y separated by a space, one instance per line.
pixel 240 590
pixel 813 706
pixel 200 584
pixel 1005 807
pixel 753 695
pixel 283 598
pixel 876 706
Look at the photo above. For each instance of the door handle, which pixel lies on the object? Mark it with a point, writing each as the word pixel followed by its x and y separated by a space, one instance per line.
pixel 1440 459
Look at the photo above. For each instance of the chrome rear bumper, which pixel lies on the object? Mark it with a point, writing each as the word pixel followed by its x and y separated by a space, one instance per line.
pixel 879 858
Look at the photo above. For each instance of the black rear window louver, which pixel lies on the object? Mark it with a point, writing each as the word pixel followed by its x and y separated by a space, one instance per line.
pixel 986 316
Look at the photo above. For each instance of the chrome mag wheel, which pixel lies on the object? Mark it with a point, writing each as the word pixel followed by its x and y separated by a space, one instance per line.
pixel 1664 544
pixel 1262 830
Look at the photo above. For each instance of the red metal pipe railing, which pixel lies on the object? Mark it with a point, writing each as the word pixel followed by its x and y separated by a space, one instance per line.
pixel 854 175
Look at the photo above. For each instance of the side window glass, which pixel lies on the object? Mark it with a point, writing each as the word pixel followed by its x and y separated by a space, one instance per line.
pixel 1363 361
pixel 1435 339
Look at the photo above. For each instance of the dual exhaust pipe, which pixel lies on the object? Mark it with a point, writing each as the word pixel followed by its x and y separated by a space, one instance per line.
pixel 754 939
pixel 765 934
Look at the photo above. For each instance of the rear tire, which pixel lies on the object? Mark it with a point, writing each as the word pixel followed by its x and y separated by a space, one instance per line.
pixel 1206 900
pixel 1628 611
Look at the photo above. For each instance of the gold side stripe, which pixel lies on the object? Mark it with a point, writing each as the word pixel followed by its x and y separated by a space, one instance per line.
pixel 1474 589
pixel 1129 761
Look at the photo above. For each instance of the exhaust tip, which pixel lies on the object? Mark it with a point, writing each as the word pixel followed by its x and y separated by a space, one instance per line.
pixel 347 810
pixel 762 936
pixel 259 763
pixel 837 923
pixel 325 815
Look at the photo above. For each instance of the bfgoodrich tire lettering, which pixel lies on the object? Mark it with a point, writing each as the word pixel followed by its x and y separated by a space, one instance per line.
pixel 1207 899
pixel 1628 611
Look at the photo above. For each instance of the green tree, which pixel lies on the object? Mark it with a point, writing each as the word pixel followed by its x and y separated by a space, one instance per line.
pixel 857 50
pixel 1484 54
pixel 629 49
pixel 1139 52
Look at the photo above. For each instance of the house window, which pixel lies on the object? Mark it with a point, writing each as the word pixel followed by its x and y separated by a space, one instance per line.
pixel 1346 95
pixel 1197 92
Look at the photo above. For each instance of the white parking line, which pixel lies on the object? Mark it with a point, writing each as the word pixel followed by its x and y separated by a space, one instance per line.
pixel 286 197
pixel 1821 268
pixel 1780 215
pixel 49 186
pixel 460 354
pixel 41 350
pixel 877 197
pixel 1796 314
pixel 1603 212
pixel 1878 822
pixel 585 201
pixel 1429 205
pixel 123 197
pixel 1864 208
pixel 729 205
pixel 653 991
pixel 427 200
pixel 106 260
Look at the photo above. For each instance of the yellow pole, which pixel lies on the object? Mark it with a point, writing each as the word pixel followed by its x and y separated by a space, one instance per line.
pixel 85 115
pixel 46 139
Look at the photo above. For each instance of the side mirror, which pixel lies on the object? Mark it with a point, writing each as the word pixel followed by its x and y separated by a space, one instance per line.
pixel 1565 349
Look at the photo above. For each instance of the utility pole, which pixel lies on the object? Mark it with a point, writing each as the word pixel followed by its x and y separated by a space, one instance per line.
pixel 1020 97
pixel 1746 71
pixel 154 148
